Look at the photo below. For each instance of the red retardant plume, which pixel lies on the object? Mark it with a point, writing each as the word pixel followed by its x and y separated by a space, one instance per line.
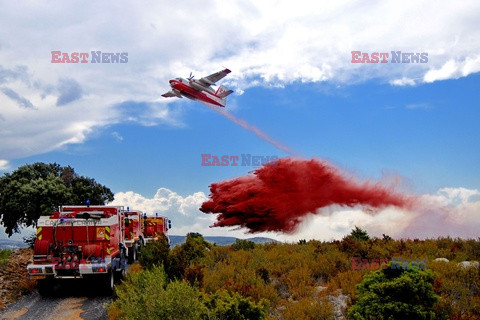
pixel 277 196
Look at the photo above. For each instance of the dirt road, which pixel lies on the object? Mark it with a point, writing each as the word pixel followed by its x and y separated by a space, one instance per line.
pixel 76 302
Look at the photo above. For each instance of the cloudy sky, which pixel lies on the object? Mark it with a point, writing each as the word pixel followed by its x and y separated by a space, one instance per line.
pixel 294 80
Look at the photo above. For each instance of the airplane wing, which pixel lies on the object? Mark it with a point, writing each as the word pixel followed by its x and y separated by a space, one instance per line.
pixel 211 79
pixel 171 94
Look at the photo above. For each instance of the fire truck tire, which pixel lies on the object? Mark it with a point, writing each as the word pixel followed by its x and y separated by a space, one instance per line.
pixel 45 287
pixel 132 254
pixel 120 275
pixel 109 283
pixel 41 247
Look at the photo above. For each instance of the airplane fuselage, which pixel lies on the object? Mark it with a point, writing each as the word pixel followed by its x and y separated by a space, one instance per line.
pixel 195 91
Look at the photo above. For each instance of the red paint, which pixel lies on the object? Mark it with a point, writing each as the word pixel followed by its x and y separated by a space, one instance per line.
pixel 277 198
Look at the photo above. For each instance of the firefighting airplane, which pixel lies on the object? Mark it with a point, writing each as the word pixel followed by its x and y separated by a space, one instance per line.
pixel 200 90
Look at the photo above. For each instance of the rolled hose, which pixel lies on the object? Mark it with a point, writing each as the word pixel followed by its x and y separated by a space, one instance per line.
pixel 41 247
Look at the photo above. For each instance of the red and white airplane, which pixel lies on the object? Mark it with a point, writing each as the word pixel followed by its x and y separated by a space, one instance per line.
pixel 200 90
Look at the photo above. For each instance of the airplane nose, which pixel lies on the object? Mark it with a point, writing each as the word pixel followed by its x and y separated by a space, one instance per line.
pixel 172 81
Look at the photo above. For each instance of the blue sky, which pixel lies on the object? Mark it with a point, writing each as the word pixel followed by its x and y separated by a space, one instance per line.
pixel 427 134
pixel 293 79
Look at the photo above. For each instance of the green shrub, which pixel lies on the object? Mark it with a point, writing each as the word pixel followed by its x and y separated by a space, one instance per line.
pixel 395 294
pixel 241 244
pixel 191 252
pixel 179 301
pixel 155 253
pixel 146 295
pixel 232 306
pixel 4 257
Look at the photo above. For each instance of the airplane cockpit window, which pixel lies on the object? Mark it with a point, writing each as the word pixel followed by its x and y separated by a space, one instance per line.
pixel 179 79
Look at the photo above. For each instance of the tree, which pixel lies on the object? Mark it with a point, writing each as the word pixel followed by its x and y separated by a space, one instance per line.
pixel 86 188
pixel 190 252
pixel 37 189
pixel 241 244
pixel 395 294
pixel 359 234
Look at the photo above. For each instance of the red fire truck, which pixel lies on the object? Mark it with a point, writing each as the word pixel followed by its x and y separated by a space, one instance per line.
pixel 154 227
pixel 80 242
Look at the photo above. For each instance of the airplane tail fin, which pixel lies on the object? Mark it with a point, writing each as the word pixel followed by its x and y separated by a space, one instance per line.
pixel 222 92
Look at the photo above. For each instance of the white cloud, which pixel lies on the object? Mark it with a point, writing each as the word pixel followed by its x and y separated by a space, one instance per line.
pixel 450 211
pixel 4 165
pixel 447 71
pixel 402 82
pixel 454 69
pixel 264 43
pixel 117 136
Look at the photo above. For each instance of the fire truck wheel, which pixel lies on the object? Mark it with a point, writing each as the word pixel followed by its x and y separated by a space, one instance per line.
pixel 132 254
pixel 109 283
pixel 46 287
pixel 120 275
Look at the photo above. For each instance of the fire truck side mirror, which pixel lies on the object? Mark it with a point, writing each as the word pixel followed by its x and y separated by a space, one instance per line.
pixel 169 224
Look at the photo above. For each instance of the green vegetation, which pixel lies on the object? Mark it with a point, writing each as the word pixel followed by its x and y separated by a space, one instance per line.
pixel 155 253
pixel 37 189
pixel 359 234
pixel 395 294
pixel 241 244
pixel 302 280
pixel 148 295
pixel 4 257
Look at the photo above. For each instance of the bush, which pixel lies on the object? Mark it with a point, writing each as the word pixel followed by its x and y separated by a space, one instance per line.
pixel 308 309
pixel 191 252
pixel 4 257
pixel 241 244
pixel 180 301
pixel 395 294
pixel 155 253
pixel 232 306
pixel 459 289
pixel 146 295
pixel 347 282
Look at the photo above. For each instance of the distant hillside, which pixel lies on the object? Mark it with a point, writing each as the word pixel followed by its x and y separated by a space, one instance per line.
pixel 175 240
pixel 12 244
pixel 220 241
